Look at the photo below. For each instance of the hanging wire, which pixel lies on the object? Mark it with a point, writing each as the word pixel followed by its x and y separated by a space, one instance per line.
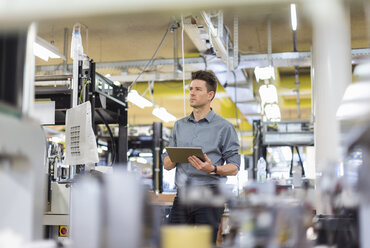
pixel 183 60
pixel 236 100
pixel 152 58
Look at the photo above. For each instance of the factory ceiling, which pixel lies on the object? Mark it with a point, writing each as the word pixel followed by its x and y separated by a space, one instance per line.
pixel 135 36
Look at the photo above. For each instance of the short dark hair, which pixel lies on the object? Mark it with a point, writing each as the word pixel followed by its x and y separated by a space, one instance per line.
pixel 208 77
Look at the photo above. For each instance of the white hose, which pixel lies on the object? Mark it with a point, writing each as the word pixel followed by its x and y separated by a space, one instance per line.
pixel 183 61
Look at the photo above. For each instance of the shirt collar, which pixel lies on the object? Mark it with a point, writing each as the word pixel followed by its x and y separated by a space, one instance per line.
pixel 208 117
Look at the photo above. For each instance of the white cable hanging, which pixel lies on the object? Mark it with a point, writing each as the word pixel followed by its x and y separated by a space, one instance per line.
pixel 183 60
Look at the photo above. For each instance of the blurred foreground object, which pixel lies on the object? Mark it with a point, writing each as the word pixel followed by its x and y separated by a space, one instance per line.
pixel 22 174
pixel 182 236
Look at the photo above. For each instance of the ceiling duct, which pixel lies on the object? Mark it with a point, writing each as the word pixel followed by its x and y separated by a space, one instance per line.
pixel 210 36
pixel 198 34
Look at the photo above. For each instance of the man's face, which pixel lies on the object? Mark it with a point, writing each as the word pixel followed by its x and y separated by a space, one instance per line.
pixel 199 96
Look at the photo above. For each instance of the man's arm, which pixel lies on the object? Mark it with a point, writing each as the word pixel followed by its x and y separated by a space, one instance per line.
pixel 168 164
pixel 230 153
pixel 227 170
pixel 207 166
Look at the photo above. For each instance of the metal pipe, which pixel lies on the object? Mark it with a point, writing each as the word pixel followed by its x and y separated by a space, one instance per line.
pixel 295 41
pixel 269 42
pixel 157 189
pixel 236 42
pixel 53 83
pixel 220 24
pixel 111 98
pixel 297 91
pixel 175 50
pixel 74 99
pixel 53 78
pixel 65 49
pixel 285 59
pixel 296 72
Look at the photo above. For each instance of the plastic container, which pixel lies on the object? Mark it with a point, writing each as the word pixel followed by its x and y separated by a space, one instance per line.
pixel 261 170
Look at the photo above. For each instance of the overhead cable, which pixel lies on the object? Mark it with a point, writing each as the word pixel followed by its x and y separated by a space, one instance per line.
pixel 152 58
pixel 183 60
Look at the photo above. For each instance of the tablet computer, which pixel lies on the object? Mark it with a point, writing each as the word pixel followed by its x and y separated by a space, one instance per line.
pixel 181 154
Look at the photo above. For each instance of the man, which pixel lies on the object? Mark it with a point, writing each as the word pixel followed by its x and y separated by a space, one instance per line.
pixel 217 138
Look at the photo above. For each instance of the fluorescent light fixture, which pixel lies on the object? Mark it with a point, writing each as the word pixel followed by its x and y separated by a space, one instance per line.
pixel 272 112
pixel 198 36
pixel 138 100
pixel 264 73
pixel 44 50
pixel 268 94
pixel 162 114
pixel 293 16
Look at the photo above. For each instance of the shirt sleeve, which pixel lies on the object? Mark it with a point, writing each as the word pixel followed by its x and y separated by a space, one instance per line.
pixel 173 142
pixel 230 151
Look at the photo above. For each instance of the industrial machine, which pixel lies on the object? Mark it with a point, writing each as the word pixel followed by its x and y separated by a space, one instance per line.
pixel 108 101
pixel 293 134
pixel 108 106
pixel 148 142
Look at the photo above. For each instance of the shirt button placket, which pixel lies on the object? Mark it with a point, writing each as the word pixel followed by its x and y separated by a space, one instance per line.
pixel 195 136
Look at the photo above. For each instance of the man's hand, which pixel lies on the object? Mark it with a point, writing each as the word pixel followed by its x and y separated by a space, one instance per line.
pixel 200 165
pixel 168 164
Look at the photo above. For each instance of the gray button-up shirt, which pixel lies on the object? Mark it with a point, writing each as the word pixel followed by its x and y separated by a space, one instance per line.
pixel 217 138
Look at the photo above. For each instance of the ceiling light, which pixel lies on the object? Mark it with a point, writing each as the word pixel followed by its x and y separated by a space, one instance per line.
pixel 44 50
pixel 116 83
pixel 138 100
pixel 264 73
pixel 293 16
pixel 162 114
pixel 268 94
pixel 197 35
pixel 272 112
